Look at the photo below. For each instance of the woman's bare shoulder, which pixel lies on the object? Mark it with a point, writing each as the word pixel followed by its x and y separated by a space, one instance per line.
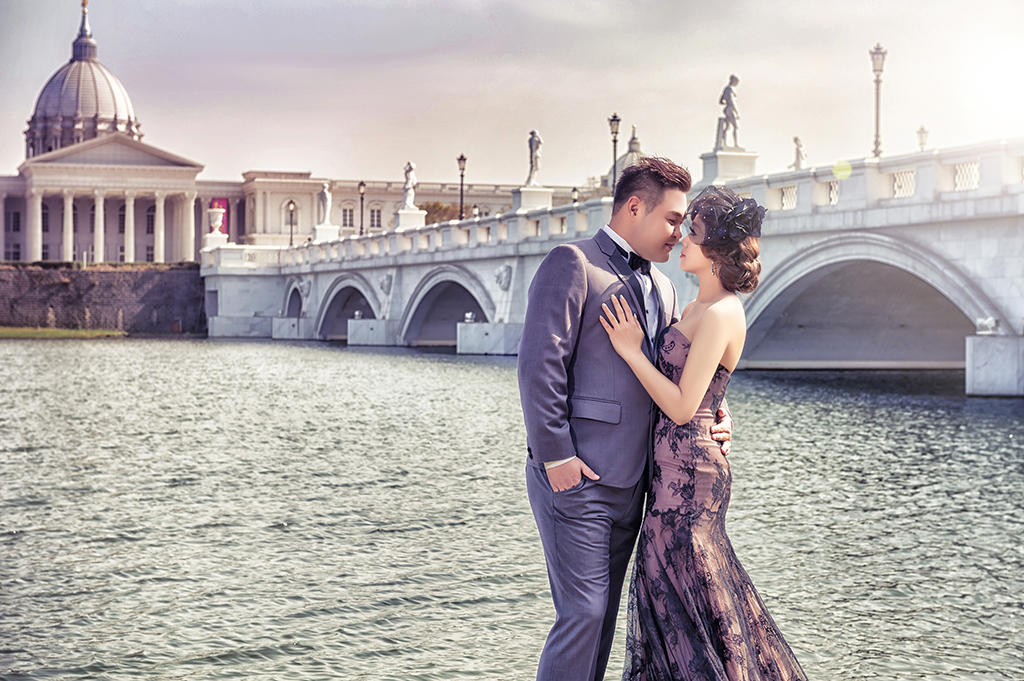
pixel 728 310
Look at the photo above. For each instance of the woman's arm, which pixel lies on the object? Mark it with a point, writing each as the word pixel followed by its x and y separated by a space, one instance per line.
pixel 679 402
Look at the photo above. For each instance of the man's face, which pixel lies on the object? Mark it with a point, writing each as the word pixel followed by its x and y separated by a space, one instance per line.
pixel 659 229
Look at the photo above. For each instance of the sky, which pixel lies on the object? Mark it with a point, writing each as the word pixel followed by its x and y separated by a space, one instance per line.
pixel 352 89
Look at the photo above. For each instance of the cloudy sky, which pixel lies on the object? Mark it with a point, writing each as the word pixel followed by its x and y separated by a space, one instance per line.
pixel 354 88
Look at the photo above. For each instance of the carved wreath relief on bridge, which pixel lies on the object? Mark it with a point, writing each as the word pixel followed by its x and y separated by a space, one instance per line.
pixel 503 276
pixel 385 283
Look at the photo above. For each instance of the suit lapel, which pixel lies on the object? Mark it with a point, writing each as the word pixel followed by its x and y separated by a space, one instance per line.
pixel 621 268
pixel 659 295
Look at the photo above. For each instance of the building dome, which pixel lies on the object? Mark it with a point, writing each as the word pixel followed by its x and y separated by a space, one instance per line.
pixel 82 100
pixel 632 155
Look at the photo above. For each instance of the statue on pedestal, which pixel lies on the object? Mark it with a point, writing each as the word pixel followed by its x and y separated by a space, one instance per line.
pixel 534 142
pixel 409 188
pixel 800 158
pixel 731 116
pixel 325 204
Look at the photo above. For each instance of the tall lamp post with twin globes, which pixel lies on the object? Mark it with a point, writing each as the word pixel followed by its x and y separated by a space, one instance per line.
pixel 362 195
pixel 462 178
pixel 877 62
pixel 291 223
pixel 613 125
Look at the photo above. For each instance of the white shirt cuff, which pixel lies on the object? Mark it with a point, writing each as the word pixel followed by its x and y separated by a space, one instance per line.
pixel 552 464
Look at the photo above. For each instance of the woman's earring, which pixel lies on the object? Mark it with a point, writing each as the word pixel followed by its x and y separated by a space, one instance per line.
pixel 714 269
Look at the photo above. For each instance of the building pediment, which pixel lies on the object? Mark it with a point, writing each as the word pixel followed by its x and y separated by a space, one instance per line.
pixel 111 150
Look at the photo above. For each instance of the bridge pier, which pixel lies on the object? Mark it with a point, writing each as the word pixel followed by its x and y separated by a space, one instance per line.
pixel 373 331
pixel 995 366
pixel 481 338
pixel 291 328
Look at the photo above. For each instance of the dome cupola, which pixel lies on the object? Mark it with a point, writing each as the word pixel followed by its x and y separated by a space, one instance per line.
pixel 82 100
pixel 632 155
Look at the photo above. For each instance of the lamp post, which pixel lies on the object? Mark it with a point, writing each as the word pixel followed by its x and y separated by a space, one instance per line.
pixel 922 137
pixel 613 124
pixel 877 62
pixel 575 195
pixel 291 224
pixel 462 178
pixel 362 196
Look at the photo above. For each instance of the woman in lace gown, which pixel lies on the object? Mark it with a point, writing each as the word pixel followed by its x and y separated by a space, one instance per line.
pixel 694 614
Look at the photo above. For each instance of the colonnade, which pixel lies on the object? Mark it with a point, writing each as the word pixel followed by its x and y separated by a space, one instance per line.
pixel 174 228
pixel 181 246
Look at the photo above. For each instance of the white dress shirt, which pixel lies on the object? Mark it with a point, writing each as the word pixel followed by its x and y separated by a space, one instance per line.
pixel 646 285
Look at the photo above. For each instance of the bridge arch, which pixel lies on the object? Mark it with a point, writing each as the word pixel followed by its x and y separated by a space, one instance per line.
pixel 349 294
pixel 292 306
pixel 864 299
pixel 441 300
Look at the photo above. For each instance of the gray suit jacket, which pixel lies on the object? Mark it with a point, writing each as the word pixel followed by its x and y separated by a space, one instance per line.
pixel 579 397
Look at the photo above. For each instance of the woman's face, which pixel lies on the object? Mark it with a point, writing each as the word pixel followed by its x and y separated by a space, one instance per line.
pixel 692 258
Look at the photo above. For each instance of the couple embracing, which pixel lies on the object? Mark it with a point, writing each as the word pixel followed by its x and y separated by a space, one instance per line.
pixel 628 429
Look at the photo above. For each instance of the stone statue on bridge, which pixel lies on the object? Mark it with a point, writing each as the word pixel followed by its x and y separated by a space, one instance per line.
pixel 325 204
pixel 800 158
pixel 409 188
pixel 534 142
pixel 730 117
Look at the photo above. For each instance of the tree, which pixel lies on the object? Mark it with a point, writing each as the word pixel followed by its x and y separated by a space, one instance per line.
pixel 439 212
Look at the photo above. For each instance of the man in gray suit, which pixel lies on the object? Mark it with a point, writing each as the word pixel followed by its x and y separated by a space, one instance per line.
pixel 588 420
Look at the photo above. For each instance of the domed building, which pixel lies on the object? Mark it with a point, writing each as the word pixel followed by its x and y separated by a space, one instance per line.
pixel 90 189
pixel 632 155
pixel 81 101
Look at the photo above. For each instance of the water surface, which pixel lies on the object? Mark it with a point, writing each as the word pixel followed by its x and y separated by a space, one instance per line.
pixel 256 510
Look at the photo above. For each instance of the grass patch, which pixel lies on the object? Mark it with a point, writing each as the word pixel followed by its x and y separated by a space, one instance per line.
pixel 29 332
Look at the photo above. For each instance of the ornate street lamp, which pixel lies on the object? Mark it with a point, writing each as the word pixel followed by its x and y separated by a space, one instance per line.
pixel 476 211
pixel 291 223
pixel 922 137
pixel 362 196
pixel 877 62
pixel 575 195
pixel 462 178
pixel 613 124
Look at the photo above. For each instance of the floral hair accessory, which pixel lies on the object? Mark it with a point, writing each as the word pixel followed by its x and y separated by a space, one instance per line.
pixel 742 220
pixel 726 217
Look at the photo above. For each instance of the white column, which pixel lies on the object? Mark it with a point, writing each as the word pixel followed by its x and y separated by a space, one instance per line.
pixel 232 226
pixel 187 241
pixel 67 236
pixel 158 229
pixel 34 237
pixel 203 226
pixel 257 224
pixel 129 226
pixel 98 242
pixel 3 224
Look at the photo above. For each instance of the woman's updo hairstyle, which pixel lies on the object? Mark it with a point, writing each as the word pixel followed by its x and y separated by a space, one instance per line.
pixel 732 240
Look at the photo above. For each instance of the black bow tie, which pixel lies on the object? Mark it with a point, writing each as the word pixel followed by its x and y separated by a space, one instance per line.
pixel 638 263
pixel 635 261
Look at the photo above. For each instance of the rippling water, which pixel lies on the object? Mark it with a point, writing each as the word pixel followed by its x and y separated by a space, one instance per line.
pixel 214 510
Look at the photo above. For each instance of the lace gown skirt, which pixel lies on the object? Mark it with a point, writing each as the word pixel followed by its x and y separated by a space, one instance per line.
pixel 693 612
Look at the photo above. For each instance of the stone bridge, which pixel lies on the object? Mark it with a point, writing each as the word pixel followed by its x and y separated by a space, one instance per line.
pixel 911 261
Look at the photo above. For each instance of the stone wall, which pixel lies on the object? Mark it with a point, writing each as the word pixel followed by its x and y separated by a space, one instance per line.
pixel 134 298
